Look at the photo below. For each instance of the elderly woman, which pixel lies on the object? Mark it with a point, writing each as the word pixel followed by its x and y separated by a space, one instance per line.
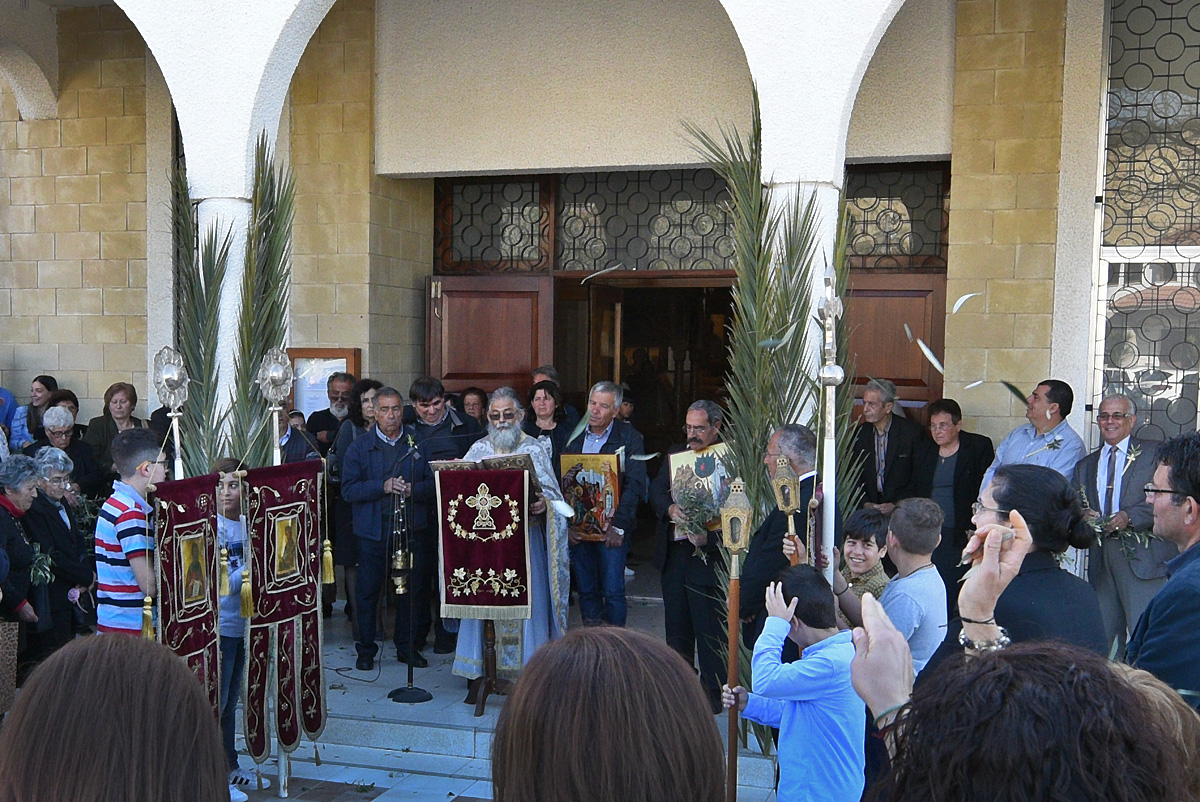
pixel 18 488
pixel 120 400
pixel 60 433
pixel 66 399
pixel 51 523
pixel 27 420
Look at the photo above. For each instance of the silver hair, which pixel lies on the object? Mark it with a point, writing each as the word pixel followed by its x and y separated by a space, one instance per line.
pixel 49 458
pixel 716 416
pixel 886 390
pixel 506 394
pixel 1129 405
pixel 57 417
pixel 607 387
pixel 549 371
pixel 18 471
pixel 799 444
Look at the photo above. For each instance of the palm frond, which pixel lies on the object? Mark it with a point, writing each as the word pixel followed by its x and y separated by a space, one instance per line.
pixel 200 276
pixel 264 308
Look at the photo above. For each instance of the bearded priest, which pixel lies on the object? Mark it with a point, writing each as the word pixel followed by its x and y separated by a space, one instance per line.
pixel 549 560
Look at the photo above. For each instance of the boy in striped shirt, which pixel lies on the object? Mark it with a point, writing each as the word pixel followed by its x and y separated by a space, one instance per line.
pixel 124 542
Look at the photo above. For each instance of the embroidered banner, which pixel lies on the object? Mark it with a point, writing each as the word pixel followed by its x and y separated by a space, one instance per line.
pixel 187 559
pixel 483 544
pixel 285 635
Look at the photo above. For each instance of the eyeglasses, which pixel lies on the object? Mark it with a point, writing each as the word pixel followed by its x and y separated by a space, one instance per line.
pixel 1103 416
pixel 1151 490
pixel 978 507
pixel 59 481
pixel 58 432
pixel 507 414
pixel 938 427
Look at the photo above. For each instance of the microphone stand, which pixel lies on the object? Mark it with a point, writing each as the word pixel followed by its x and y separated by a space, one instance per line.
pixel 410 694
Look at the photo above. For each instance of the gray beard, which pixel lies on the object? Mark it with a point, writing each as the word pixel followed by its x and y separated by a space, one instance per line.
pixel 504 440
pixel 339 410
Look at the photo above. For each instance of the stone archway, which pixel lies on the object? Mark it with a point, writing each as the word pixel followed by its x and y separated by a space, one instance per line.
pixel 29 57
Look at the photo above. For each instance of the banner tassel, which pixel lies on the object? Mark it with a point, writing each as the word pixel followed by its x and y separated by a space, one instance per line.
pixel 223 580
pixel 247 598
pixel 257 771
pixel 327 564
pixel 148 618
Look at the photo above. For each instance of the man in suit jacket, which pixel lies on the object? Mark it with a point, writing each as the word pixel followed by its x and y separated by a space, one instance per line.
pixel 691 601
pixel 888 444
pixel 599 567
pixel 949 470
pixel 1125 573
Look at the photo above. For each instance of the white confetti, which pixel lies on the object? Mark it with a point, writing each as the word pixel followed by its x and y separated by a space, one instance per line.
pixel 962 300
pixel 908 332
pixel 933 360
pixel 973 384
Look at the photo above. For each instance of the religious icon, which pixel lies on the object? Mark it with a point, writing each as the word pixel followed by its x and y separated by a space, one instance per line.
pixel 286 557
pixel 591 486
pixel 191 553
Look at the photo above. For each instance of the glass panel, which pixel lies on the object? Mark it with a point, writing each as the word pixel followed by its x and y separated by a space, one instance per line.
pixel 660 220
pixel 1152 343
pixel 1152 172
pixel 495 225
pixel 897 217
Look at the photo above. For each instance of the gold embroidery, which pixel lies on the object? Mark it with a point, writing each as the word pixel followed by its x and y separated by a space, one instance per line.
pixel 485 502
pixel 514 509
pixel 463 583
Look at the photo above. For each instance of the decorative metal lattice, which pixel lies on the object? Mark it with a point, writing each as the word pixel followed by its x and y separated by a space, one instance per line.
pixel 1152 343
pixel 1152 175
pixel 660 220
pixel 897 216
pixel 494 226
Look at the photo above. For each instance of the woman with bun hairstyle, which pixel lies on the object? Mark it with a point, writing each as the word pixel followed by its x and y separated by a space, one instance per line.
pixel 1044 602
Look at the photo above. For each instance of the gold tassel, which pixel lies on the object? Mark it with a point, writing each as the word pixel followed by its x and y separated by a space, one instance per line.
pixel 316 755
pixel 148 618
pixel 223 581
pixel 247 597
pixel 257 772
pixel 327 564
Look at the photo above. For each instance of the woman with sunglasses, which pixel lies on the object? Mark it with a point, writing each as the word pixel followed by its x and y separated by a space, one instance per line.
pixel 1043 602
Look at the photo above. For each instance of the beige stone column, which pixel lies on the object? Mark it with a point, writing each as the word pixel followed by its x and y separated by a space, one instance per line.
pixel 1003 203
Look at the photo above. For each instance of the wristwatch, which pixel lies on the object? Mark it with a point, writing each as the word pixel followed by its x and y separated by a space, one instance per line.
pixel 619 531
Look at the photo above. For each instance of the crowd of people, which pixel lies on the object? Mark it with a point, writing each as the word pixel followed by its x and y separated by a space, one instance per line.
pixel 962 650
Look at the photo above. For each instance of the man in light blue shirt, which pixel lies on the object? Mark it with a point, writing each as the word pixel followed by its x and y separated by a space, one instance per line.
pixel 1047 439
pixel 821 720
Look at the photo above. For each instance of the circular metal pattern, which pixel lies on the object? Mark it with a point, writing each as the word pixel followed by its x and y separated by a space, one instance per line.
pixel 574 183
pixel 1123 355
pixel 471 193
pixel 616 226
pixel 1169 46
pixel 1182 411
pixel 637 247
pixel 573 226
pixel 660 180
pixel 1167 104
pixel 659 225
pixel 1158 274
pixel 511 235
pixel 1184 356
pixel 595 248
pixel 638 203
pixel 1141 20
pixel 1156 328
pixel 1138 76
pixel 703 225
pixel 596 204
pixel 616 182
pixel 723 247
pixel 681 247
pixel 897 217
pixel 1186 300
pixel 1152 383
pixel 682 202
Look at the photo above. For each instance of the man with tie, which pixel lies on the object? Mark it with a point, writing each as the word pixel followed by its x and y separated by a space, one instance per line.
pixel 888 445
pixel 1125 570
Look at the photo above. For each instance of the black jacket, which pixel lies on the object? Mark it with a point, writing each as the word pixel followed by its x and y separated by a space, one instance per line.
pixel 699 572
pixel 71 553
pixel 450 439
pixel 20 558
pixel 905 438
pixel 975 454
pixel 633 478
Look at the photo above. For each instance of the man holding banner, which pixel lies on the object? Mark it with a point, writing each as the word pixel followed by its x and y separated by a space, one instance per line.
pixel 548 580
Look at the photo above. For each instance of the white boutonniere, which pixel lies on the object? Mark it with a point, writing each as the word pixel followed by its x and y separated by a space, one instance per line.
pixel 1054 445
pixel 1134 453
pixel 411 442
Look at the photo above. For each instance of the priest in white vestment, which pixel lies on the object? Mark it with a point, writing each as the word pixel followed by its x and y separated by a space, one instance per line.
pixel 549 559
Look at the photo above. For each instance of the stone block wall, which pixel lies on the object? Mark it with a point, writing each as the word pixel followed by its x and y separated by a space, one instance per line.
pixel 363 243
pixel 73 211
pixel 1003 204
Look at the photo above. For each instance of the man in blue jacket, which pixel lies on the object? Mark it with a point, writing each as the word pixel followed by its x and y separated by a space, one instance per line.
pixel 379 469
pixel 599 567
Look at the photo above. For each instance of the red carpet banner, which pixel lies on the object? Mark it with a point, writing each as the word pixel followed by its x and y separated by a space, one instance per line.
pixel 483 548
pixel 283 657
pixel 185 536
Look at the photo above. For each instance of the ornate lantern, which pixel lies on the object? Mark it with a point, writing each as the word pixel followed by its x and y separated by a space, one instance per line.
pixel 735 517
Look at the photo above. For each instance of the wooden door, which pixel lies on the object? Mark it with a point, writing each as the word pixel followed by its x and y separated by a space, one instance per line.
pixel 489 331
pixel 604 334
pixel 879 304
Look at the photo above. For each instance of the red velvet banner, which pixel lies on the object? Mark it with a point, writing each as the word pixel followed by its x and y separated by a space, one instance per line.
pixel 483 550
pixel 284 534
pixel 188 562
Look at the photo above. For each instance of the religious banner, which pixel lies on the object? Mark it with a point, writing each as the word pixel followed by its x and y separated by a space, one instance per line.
pixel 699 485
pixel 590 484
pixel 483 544
pixel 187 563
pixel 283 572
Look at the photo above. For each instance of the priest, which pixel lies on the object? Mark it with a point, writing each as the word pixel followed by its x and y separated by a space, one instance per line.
pixel 549 560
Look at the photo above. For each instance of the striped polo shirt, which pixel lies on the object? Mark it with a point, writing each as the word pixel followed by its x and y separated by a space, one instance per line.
pixel 121 533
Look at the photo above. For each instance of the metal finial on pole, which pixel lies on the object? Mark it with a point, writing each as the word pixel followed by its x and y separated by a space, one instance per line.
pixel 171 384
pixel 831 375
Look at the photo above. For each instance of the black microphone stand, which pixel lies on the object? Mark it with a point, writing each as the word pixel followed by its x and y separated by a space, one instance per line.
pixel 410 694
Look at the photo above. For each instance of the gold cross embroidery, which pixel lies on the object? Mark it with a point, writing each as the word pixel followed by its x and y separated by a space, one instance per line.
pixel 484 502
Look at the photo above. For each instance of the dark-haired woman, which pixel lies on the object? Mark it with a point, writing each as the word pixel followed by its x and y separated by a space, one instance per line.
pixel 1044 602
pixel 345 545
pixel 27 420
pixel 549 417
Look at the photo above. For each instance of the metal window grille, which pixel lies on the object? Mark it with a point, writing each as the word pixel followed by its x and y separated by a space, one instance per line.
pixel 897 216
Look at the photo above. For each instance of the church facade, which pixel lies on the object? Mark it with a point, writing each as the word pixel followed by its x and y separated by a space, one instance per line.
pixel 1020 178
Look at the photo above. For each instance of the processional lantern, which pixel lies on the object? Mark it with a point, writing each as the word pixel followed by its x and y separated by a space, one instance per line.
pixel 171 383
pixel 735 518
pixel 786 485
pixel 274 381
pixel 735 534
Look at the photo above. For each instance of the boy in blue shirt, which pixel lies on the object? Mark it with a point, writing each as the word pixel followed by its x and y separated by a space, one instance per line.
pixel 821 720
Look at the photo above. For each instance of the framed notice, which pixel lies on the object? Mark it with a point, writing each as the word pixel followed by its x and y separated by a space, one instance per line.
pixel 313 367
pixel 590 484
pixel 705 470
